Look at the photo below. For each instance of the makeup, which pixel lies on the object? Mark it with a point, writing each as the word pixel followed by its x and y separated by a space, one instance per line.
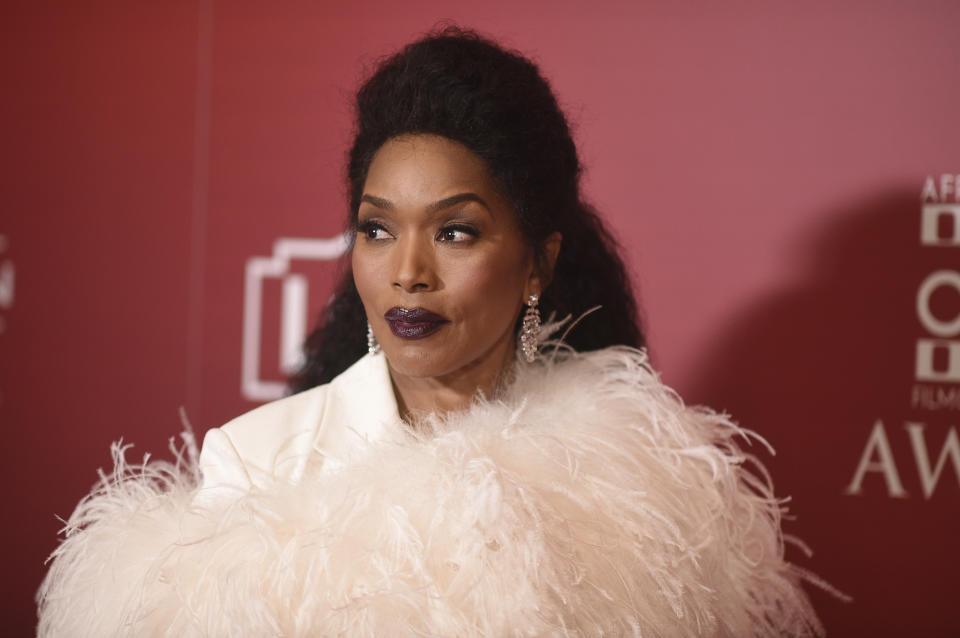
pixel 413 323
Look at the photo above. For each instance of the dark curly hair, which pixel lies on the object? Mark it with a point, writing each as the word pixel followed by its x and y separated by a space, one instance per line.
pixel 459 85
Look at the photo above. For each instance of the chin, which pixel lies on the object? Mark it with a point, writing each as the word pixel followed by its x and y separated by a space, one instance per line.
pixel 417 361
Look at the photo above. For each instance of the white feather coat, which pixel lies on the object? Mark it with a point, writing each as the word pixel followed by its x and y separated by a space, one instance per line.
pixel 586 501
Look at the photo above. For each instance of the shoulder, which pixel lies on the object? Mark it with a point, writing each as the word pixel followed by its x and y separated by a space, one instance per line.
pixel 585 389
pixel 273 441
pixel 564 370
pixel 261 445
pixel 276 424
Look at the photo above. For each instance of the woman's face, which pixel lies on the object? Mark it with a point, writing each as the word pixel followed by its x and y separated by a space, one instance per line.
pixel 439 261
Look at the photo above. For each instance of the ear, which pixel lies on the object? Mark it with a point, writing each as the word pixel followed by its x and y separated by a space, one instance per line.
pixel 542 273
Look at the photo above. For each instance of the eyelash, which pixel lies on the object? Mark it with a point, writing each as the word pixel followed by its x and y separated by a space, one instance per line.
pixel 369 228
pixel 470 231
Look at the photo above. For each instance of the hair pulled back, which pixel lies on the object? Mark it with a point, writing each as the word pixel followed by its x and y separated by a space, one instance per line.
pixel 456 84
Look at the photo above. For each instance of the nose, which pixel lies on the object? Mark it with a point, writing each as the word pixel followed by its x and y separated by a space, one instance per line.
pixel 414 269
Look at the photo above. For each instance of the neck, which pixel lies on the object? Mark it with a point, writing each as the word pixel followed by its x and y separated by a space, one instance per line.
pixel 417 396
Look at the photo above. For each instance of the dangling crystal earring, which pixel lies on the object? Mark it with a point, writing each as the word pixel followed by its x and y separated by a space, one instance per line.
pixel 372 346
pixel 530 329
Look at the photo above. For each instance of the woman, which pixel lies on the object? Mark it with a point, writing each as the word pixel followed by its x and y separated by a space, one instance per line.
pixel 467 476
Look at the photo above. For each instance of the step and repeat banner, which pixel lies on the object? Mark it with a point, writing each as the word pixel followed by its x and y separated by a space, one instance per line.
pixel 783 179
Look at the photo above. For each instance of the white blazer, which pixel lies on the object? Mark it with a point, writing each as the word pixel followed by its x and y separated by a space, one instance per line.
pixel 274 441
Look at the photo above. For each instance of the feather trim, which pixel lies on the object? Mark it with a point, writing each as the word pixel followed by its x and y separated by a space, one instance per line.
pixel 586 501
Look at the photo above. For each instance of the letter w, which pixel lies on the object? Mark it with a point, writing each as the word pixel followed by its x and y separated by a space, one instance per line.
pixel 951 450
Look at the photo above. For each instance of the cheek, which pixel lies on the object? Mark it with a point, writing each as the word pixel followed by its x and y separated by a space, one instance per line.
pixel 365 270
pixel 492 287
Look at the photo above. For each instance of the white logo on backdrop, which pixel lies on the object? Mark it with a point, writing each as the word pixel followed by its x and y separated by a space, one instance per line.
pixel 935 219
pixel 936 379
pixel 293 318
pixel 930 220
pixel 7 278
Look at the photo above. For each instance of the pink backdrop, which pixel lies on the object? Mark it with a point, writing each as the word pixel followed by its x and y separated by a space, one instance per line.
pixel 763 164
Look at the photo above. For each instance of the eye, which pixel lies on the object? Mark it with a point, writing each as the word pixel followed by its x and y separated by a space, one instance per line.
pixel 456 233
pixel 373 231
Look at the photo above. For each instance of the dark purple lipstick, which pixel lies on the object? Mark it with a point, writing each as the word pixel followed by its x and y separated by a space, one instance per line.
pixel 413 323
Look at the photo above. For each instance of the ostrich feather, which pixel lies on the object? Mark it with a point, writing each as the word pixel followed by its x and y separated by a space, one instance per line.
pixel 585 500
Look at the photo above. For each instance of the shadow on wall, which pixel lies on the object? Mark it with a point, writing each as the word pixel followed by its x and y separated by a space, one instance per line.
pixel 813 368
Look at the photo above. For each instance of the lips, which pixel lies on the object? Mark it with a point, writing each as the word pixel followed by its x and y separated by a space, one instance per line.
pixel 413 323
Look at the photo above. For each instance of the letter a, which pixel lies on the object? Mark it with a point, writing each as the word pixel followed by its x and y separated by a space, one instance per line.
pixel 877 445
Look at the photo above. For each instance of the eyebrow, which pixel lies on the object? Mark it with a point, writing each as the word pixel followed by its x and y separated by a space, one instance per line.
pixel 446 202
